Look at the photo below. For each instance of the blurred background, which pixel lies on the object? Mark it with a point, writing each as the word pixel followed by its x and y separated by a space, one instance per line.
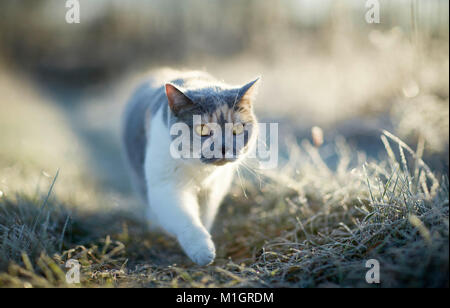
pixel 63 86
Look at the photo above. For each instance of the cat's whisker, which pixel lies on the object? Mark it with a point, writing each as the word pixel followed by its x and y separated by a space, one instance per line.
pixel 255 171
pixel 250 168
pixel 241 182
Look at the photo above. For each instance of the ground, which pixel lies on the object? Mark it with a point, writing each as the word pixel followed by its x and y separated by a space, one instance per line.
pixel 314 222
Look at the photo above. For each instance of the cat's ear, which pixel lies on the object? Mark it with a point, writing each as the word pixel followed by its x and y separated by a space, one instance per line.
pixel 177 100
pixel 248 92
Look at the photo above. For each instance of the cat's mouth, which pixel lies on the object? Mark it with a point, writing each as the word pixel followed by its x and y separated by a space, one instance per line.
pixel 219 161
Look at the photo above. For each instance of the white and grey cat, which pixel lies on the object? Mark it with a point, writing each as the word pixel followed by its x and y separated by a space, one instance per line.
pixel 184 194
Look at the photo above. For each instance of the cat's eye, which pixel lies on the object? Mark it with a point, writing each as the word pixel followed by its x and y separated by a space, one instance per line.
pixel 202 130
pixel 238 129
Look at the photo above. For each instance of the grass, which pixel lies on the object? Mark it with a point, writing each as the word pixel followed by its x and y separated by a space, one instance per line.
pixel 310 227
pixel 305 224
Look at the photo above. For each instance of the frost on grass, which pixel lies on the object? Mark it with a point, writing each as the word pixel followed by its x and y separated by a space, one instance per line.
pixel 305 225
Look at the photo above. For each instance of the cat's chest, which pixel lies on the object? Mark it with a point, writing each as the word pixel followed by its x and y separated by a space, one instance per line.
pixel 201 177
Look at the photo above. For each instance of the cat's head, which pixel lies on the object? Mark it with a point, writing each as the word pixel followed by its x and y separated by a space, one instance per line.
pixel 220 118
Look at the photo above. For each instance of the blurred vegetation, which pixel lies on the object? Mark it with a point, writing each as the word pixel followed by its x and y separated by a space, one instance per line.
pixel 310 223
pixel 320 58
pixel 115 34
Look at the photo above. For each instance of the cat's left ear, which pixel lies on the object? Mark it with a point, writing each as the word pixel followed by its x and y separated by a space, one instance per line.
pixel 249 92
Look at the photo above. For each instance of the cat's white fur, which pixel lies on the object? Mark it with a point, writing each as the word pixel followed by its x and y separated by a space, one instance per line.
pixel 173 188
pixel 183 195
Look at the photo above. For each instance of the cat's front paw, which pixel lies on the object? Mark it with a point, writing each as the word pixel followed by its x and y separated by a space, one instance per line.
pixel 203 253
pixel 200 249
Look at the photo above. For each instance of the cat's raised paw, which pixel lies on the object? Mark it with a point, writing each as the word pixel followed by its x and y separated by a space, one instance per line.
pixel 205 255
pixel 201 251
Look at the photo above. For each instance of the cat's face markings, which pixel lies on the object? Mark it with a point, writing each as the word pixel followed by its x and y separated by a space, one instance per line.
pixel 232 106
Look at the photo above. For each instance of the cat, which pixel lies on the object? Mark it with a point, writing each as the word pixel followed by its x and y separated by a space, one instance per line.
pixel 183 195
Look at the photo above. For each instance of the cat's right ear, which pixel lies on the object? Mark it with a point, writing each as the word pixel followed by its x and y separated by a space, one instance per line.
pixel 177 100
